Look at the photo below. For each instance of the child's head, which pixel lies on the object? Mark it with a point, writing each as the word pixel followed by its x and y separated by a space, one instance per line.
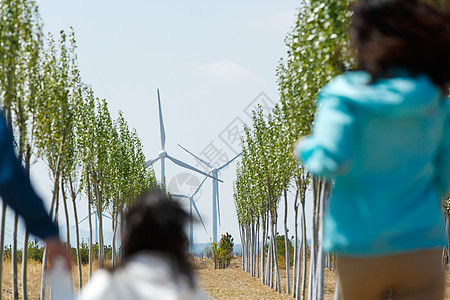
pixel 155 222
pixel 402 33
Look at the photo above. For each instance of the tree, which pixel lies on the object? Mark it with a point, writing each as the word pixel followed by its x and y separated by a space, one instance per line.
pixel 223 253
pixel 21 45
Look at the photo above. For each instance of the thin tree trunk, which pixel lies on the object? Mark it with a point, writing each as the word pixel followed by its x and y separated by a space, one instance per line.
pixel 90 225
pixel 2 242
pixel 26 237
pixel 304 247
pixel 263 248
pixel 257 249
pixel 286 245
pixel 253 239
pixel 14 258
pixel 277 270
pixel 77 231
pixel 52 206
pixel 242 246
pixel 66 214
pixel 294 269
pixel 24 265
pixel 101 249
pixel 269 262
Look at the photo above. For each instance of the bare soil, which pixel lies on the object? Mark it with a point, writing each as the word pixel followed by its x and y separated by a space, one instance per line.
pixel 234 283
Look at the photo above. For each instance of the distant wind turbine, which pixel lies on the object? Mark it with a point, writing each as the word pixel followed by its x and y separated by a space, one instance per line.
pixel 162 155
pixel 96 225
pixel 215 199
pixel 192 204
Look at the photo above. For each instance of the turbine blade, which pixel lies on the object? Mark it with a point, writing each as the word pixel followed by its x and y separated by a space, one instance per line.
pixel 198 189
pixel 83 220
pixel 198 214
pixel 187 166
pixel 198 158
pixel 229 162
pixel 151 162
pixel 178 195
pixel 86 217
pixel 161 125
pixel 218 203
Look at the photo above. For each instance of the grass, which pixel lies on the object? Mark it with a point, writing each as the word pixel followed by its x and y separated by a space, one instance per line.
pixel 229 283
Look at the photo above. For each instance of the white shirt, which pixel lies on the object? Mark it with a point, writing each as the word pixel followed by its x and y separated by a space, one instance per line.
pixel 146 276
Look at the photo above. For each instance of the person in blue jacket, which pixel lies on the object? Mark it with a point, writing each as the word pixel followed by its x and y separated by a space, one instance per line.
pixel 17 192
pixel 383 134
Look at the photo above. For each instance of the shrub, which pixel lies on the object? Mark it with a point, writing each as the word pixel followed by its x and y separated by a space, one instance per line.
pixel 222 253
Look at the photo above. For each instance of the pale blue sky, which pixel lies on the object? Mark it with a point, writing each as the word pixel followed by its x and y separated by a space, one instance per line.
pixel 209 59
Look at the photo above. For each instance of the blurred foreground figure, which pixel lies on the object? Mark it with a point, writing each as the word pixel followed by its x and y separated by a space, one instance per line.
pixel 383 134
pixel 154 264
pixel 17 192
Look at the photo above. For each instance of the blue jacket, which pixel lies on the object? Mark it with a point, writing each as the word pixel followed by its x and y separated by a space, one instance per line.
pixel 16 189
pixel 387 145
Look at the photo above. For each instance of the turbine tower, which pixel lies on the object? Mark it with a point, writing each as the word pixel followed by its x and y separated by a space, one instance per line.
pixel 192 204
pixel 162 155
pixel 215 196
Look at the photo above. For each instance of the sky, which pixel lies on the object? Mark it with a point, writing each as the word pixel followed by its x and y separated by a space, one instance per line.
pixel 212 62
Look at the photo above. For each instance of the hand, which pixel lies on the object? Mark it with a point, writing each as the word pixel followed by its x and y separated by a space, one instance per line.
pixel 57 249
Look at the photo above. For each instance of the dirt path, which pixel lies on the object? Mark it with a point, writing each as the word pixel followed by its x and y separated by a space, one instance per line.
pixel 234 283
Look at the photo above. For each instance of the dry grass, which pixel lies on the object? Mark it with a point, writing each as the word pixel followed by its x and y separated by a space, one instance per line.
pixel 230 283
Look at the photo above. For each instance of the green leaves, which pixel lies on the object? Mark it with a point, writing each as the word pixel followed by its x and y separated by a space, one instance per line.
pixel 318 49
pixel 72 130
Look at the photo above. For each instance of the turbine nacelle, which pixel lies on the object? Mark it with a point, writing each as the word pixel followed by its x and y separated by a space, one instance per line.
pixel 162 154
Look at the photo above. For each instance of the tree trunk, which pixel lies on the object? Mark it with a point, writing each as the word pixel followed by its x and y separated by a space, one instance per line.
pixel 277 270
pixel 14 258
pixel 286 245
pixel 241 228
pixel 26 237
pixel 52 206
pixel 101 249
pixel 2 242
pixel 24 265
pixel 269 262
pixel 257 250
pixel 90 225
pixel 294 269
pixel 304 247
pixel 66 214
pixel 253 243
pixel 77 231
pixel 263 248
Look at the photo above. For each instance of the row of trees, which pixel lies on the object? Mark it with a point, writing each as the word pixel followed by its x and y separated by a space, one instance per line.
pixel 318 50
pixel 56 118
pixel 268 172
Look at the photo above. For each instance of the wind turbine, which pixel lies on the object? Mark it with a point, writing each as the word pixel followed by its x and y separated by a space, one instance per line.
pixel 96 225
pixel 215 199
pixel 162 155
pixel 192 204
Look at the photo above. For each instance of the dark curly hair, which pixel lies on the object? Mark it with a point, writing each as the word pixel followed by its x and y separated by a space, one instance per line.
pixel 156 223
pixel 408 34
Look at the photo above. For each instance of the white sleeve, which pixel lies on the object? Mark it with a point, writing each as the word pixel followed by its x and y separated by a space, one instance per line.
pixel 100 287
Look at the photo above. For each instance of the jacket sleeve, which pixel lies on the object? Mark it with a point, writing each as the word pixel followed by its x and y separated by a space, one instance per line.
pixel 443 160
pixel 328 151
pixel 17 192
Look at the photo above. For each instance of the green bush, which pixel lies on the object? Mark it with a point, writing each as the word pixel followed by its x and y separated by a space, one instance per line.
pixel 222 253
pixel 282 252
pixel 35 252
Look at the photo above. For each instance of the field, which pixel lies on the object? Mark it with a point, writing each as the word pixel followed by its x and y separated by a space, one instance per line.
pixel 230 283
